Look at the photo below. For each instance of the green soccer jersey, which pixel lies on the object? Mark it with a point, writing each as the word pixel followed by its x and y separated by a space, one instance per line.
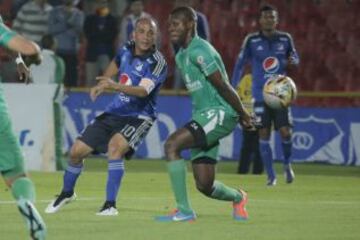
pixel 196 62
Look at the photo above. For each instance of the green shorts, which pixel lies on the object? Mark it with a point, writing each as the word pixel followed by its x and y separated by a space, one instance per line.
pixel 215 124
pixel 11 158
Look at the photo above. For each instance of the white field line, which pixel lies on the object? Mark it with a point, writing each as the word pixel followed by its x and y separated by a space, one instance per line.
pixel 292 202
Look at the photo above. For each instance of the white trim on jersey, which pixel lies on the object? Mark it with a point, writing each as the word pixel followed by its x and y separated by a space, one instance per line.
pixel 160 63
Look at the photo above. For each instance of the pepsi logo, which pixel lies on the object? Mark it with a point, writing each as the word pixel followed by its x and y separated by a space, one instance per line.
pixel 271 64
pixel 125 79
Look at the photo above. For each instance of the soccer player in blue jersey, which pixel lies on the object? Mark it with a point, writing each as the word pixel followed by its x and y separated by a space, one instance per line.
pixel 269 52
pixel 140 70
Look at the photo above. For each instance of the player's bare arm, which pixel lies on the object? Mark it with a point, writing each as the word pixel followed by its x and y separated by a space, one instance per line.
pixel 230 96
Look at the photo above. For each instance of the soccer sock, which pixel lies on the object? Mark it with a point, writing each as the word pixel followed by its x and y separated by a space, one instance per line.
pixel 23 188
pixel 177 172
pixel 286 147
pixel 223 192
pixel 115 173
pixel 266 155
pixel 72 172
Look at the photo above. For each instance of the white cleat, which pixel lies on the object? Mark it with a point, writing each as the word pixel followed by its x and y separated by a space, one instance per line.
pixel 108 209
pixel 33 220
pixel 60 201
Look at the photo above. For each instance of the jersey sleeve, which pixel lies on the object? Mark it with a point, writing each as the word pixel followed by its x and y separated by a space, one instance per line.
pixel 156 70
pixel 5 35
pixel 203 57
pixel 243 58
pixel 292 53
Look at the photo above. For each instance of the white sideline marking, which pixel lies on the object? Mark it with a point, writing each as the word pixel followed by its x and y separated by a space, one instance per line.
pixel 168 198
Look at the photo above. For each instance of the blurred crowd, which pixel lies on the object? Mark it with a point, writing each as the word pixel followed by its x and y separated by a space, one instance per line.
pixel 89 32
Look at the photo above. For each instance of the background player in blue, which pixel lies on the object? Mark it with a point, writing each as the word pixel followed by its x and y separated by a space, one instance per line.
pixel 141 70
pixel 269 52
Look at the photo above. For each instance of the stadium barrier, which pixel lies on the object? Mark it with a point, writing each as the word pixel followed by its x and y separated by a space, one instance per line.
pixel 320 134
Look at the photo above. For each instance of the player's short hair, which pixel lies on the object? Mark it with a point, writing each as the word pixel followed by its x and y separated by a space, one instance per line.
pixel 184 11
pixel 148 19
pixel 267 7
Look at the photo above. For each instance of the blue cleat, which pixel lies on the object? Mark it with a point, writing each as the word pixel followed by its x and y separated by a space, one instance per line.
pixel 289 174
pixel 177 216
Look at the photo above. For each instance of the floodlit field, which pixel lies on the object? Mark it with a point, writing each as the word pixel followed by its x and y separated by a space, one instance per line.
pixel 323 203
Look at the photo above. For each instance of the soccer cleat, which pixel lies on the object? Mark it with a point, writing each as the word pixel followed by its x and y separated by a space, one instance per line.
pixel 289 174
pixel 239 208
pixel 108 209
pixel 33 220
pixel 177 216
pixel 271 181
pixel 61 200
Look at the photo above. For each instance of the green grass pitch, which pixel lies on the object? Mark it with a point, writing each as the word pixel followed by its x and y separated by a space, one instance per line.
pixel 323 204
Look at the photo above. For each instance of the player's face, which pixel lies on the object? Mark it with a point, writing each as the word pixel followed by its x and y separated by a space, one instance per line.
pixel 144 36
pixel 268 20
pixel 178 30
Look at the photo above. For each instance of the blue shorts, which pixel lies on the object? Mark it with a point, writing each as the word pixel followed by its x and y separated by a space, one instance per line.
pixel 280 117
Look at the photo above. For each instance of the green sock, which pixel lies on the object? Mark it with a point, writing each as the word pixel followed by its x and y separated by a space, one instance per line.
pixel 223 192
pixel 23 188
pixel 177 172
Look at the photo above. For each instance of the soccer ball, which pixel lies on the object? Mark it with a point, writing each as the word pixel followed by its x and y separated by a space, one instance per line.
pixel 279 91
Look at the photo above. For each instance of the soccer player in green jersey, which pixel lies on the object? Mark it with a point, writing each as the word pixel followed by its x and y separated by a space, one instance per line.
pixel 11 159
pixel 216 111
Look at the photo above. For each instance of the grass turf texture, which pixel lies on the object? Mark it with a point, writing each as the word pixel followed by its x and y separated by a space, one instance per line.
pixel 322 203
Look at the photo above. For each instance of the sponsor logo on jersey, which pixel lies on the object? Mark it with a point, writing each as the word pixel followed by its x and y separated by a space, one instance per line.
pixel 125 79
pixel 271 64
pixel 200 60
pixel 139 66
pixel 259 48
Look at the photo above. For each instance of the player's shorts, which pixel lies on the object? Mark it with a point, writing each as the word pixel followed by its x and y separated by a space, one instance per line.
pixel 280 117
pixel 208 127
pixel 99 132
pixel 11 158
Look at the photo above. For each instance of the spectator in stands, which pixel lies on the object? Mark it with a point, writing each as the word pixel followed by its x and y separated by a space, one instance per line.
pixel 269 52
pixel 101 32
pixel 65 24
pixel 52 67
pixel 52 71
pixel 249 152
pixel 32 20
pixel 202 28
pixel 128 22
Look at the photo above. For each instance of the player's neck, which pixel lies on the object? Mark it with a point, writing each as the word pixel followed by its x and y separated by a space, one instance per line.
pixel 268 33
pixel 188 40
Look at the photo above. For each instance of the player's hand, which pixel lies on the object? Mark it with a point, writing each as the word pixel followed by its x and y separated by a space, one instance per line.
pixel 95 92
pixel 106 83
pixel 246 121
pixel 23 72
pixel 32 59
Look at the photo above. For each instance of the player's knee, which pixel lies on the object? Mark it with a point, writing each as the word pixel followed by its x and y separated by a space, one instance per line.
pixel 285 133
pixel 170 148
pixel 204 187
pixel 76 154
pixel 116 151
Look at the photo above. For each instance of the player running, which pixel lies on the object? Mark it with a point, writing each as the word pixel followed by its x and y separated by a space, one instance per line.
pixel 270 52
pixel 11 159
pixel 217 110
pixel 141 70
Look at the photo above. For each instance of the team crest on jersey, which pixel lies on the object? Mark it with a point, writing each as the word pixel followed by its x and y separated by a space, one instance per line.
pixel 125 79
pixel 271 64
pixel 200 60
pixel 139 66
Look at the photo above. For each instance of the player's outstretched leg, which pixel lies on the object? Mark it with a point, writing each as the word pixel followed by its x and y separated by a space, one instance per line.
pixel 115 173
pixel 67 194
pixel 24 192
pixel 266 155
pixel 288 171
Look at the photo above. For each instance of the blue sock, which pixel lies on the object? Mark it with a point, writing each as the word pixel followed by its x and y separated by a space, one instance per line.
pixel 72 172
pixel 286 147
pixel 115 173
pixel 266 155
